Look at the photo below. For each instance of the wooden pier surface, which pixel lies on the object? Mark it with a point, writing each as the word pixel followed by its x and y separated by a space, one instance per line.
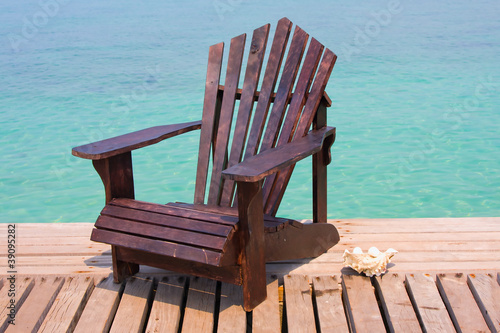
pixel 445 278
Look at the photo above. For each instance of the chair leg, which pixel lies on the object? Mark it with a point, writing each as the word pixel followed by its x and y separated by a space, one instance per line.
pixel 253 261
pixel 122 269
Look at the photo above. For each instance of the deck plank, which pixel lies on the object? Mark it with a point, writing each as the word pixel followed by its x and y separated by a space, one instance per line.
pixel 460 303
pixel 133 307
pixel 396 304
pixel 232 316
pixel 266 316
pixel 199 313
pixel 425 297
pixel 23 287
pixel 298 302
pixel 437 246
pixel 361 304
pixel 328 294
pixel 487 295
pixel 32 313
pixel 101 307
pixel 69 304
pixel 167 306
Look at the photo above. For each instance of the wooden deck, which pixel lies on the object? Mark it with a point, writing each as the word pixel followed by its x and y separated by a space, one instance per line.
pixel 445 278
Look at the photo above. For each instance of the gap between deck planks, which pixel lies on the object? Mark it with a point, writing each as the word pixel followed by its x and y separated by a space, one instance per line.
pixel 392 303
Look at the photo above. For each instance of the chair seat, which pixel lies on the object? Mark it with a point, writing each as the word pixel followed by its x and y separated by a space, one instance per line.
pixel 200 233
pixel 168 231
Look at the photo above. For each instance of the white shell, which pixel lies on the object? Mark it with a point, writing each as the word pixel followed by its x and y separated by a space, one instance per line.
pixel 371 263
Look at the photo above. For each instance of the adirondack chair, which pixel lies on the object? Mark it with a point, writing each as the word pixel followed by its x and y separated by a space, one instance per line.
pixel 230 235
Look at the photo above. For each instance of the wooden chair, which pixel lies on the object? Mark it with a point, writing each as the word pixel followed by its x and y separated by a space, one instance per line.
pixel 231 234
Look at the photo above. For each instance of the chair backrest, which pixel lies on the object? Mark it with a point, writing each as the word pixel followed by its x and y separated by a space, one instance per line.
pixel 294 106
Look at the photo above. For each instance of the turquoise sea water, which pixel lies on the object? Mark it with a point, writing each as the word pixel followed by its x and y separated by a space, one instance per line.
pixel 416 101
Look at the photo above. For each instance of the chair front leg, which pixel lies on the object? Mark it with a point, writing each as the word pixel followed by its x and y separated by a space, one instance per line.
pixel 253 260
pixel 117 176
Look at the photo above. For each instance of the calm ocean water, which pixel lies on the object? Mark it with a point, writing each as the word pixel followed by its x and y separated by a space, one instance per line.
pixel 416 101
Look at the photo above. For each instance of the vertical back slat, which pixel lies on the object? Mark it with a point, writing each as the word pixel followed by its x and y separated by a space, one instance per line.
pixel 208 120
pixel 254 65
pixel 312 104
pixel 226 115
pixel 287 81
pixel 299 95
pixel 317 91
pixel 268 83
pixel 306 76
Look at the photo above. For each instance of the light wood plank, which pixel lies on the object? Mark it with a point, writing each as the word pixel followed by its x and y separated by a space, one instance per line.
pixel 31 315
pixel 362 308
pixel 21 287
pixel 67 249
pixel 487 294
pixel 133 308
pixel 199 313
pixel 266 316
pixel 232 317
pixel 69 305
pixel 426 299
pixel 423 246
pixel 415 257
pixel 396 304
pixel 298 301
pixel 167 306
pixel 331 315
pixel 458 245
pixel 460 303
pixel 101 307
pixel 303 267
pixel 96 263
pixel 367 236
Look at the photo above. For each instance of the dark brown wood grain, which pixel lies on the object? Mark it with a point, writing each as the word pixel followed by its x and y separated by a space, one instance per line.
pixel 128 142
pixel 268 83
pixel 297 103
pixel 275 194
pixel 227 273
pixel 226 117
pixel 211 110
pixel 254 65
pixel 325 97
pixel 116 175
pixel 270 161
pixel 253 255
pixel 171 209
pixel 143 229
pixel 154 218
pixel 319 175
pixel 285 87
pixel 160 247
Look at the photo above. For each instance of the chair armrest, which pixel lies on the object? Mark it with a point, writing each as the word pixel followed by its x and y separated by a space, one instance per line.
pixel 128 142
pixel 268 162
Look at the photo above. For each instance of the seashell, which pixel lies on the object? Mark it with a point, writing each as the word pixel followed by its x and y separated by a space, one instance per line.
pixel 371 263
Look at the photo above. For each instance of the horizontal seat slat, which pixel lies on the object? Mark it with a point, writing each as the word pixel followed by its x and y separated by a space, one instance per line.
pixel 161 233
pixel 167 220
pixel 271 223
pixel 169 209
pixel 160 247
